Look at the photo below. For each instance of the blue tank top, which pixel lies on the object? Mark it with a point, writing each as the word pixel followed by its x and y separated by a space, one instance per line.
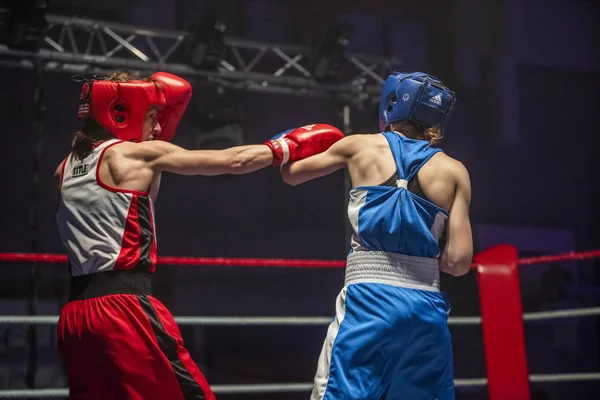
pixel 392 219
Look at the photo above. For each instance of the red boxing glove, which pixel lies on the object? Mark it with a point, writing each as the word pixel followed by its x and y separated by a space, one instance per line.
pixel 177 92
pixel 303 142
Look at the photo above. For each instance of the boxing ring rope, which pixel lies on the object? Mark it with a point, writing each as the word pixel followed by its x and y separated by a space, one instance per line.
pixel 296 387
pixel 499 289
pixel 273 262
pixel 305 321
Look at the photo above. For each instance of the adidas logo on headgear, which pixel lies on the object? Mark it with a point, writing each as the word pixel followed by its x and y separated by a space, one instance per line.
pixel 437 99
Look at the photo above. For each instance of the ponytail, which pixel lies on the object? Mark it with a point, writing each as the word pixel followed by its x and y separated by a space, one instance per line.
pixel 83 144
pixel 85 138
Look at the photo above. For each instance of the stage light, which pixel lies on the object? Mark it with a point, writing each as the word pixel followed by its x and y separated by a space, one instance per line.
pixel 206 48
pixel 328 57
pixel 218 124
pixel 24 24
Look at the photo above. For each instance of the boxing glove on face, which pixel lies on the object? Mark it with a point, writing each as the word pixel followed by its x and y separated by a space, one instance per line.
pixel 177 92
pixel 297 144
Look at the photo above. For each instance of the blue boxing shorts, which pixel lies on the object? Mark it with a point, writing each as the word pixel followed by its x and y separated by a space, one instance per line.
pixel 390 338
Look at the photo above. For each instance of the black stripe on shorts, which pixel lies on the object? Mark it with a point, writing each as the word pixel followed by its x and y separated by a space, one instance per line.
pixel 189 387
pixel 146 233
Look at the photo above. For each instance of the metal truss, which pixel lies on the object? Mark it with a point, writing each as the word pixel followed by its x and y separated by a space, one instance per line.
pixel 85 46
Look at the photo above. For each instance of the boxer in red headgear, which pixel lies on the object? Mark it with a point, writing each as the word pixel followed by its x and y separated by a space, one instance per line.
pixel 117 340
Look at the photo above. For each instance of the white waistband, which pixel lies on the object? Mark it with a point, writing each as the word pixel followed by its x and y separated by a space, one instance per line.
pixel 393 269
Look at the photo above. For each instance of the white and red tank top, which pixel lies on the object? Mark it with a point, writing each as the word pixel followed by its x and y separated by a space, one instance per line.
pixel 103 228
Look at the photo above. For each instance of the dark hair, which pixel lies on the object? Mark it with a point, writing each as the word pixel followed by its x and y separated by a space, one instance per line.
pixel 432 134
pixel 125 76
pixel 92 132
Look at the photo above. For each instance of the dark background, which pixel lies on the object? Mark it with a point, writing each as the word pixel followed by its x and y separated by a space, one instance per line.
pixel 526 75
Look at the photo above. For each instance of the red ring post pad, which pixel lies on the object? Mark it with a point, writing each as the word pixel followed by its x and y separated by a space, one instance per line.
pixel 502 323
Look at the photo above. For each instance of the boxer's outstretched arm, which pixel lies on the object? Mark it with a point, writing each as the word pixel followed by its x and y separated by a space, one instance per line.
pixel 164 156
pixel 336 157
pixel 457 255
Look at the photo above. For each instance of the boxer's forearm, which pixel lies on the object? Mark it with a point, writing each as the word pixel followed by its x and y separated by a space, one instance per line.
pixel 246 159
pixel 331 160
pixel 235 160
pixel 311 168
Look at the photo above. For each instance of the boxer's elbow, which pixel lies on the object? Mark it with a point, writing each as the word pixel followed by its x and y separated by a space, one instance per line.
pixel 289 181
pixel 456 264
pixel 460 268
pixel 287 177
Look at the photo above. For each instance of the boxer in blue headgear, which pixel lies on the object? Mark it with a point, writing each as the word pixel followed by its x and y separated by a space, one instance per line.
pixel 409 211
pixel 418 100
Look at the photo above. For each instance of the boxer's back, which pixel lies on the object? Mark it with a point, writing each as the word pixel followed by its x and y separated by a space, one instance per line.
pixel 374 164
pixel 103 227
pixel 402 191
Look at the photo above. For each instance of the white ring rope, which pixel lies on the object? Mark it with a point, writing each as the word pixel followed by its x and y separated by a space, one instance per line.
pixel 188 320
pixel 299 387
pixel 254 320
pixel 472 382
pixel 219 389
pixel 464 320
pixel 585 376
pixel 33 394
pixel 262 388
pixel 580 312
pixel 303 387
pixel 221 321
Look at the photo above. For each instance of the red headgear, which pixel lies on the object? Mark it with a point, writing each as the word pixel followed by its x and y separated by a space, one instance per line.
pixel 120 107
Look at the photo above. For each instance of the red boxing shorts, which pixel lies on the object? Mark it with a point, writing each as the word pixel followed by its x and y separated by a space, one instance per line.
pixel 125 346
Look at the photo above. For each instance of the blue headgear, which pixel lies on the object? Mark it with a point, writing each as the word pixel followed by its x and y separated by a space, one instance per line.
pixel 415 97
